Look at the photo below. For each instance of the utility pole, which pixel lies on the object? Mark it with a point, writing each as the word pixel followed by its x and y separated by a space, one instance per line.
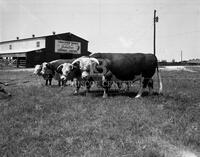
pixel 155 19
pixel 181 56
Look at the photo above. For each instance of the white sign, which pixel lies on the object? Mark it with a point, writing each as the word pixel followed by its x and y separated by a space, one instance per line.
pixel 63 46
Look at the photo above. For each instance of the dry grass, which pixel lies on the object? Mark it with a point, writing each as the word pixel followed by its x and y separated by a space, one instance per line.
pixel 51 121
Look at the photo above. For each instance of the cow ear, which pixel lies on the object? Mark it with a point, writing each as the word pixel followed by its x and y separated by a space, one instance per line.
pixel 76 64
pixel 49 65
pixel 71 67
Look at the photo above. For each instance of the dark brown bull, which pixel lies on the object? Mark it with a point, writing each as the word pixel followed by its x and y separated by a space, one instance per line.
pixel 124 66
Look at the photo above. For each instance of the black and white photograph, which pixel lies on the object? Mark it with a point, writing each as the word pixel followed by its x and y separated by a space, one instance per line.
pixel 99 78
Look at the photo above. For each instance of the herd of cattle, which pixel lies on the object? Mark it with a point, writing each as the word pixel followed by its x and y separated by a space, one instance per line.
pixel 103 69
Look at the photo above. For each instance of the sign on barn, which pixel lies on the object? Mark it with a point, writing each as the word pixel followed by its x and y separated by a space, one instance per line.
pixel 63 46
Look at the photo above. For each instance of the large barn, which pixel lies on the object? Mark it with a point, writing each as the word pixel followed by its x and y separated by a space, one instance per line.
pixel 35 50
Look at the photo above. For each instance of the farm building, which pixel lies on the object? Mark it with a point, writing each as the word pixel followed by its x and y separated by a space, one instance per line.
pixel 36 50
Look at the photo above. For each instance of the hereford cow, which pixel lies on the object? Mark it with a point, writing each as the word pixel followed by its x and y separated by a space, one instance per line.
pixel 47 76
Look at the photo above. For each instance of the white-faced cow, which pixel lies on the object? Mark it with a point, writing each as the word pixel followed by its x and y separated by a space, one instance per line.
pixel 72 71
pixel 124 66
pixel 47 74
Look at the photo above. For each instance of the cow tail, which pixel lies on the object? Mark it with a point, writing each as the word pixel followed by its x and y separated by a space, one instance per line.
pixel 159 80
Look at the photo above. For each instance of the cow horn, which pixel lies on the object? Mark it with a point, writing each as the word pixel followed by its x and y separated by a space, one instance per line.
pixel 76 60
pixel 80 59
pixel 95 60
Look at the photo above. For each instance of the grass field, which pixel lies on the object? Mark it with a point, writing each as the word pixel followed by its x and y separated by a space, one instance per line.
pixel 52 122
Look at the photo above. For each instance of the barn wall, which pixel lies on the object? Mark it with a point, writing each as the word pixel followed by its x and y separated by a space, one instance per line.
pixel 50 47
pixel 35 57
pixel 21 45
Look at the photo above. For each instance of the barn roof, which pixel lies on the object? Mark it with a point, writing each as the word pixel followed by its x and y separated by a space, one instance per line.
pixel 57 35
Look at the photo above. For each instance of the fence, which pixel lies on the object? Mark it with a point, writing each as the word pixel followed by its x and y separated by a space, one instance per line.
pixel 12 63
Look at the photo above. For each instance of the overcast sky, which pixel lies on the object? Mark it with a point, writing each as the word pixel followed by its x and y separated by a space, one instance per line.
pixel 109 25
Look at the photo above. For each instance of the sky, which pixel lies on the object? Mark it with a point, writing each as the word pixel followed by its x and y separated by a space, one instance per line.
pixel 120 26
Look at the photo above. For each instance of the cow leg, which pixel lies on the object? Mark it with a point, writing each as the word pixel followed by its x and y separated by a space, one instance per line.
pixel 105 92
pixel 77 85
pixel 150 86
pixel 50 80
pixel 106 86
pixel 119 85
pixel 141 88
pixel 88 85
pixel 127 84
pixel 64 83
pixel 46 82
pixel 59 83
pixel 87 91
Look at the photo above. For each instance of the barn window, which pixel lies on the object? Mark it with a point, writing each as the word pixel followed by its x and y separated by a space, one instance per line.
pixel 37 44
pixel 10 47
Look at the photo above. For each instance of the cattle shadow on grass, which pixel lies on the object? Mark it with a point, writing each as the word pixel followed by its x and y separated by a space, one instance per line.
pixel 115 93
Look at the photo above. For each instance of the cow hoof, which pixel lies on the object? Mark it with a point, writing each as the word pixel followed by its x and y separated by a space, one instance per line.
pixel 105 96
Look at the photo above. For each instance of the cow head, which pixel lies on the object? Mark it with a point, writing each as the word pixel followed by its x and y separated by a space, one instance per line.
pixel 46 68
pixel 37 70
pixel 64 69
pixel 85 65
